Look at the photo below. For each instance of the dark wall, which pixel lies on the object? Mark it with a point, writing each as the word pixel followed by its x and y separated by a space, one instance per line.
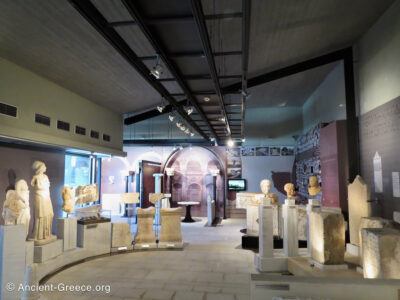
pixel 380 133
pixel 19 162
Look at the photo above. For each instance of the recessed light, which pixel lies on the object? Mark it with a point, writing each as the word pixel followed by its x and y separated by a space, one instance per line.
pixel 243 140
pixel 206 99
pixel 230 143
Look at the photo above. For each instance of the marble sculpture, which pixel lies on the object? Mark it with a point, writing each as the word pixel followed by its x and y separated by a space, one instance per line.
pixel 16 208
pixel 43 207
pixel 155 197
pixel 68 199
pixel 289 189
pixel 171 225
pixel 87 193
pixel 314 188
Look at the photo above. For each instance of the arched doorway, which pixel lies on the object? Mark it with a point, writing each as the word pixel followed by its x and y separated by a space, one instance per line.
pixel 194 179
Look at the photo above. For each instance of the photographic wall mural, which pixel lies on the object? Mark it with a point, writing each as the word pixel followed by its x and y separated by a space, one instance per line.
pixel 193 181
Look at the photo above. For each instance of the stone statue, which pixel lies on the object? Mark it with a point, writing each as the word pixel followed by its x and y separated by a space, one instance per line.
pixel 43 207
pixel 87 193
pixel 289 189
pixel 265 186
pixel 16 208
pixel 314 188
pixel 68 198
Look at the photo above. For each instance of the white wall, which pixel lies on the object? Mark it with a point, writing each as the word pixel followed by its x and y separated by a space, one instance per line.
pixel 378 61
pixel 328 102
pixel 34 94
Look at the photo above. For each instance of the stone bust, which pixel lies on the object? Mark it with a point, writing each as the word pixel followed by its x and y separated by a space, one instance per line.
pixel 289 189
pixel 265 186
pixel 314 188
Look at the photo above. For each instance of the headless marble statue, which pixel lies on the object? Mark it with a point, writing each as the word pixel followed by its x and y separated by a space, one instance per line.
pixel 16 208
pixel 68 198
pixel 43 207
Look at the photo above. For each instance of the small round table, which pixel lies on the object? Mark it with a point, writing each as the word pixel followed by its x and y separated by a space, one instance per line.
pixel 188 218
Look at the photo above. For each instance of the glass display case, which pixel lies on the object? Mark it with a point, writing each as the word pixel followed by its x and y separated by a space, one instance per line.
pixel 93 216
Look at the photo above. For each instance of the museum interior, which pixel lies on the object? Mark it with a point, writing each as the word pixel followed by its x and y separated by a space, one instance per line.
pixel 199 149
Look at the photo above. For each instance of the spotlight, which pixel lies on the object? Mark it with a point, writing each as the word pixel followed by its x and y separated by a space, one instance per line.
pixel 212 139
pixel 183 127
pixel 171 117
pixel 179 124
pixel 191 134
pixel 160 108
pixel 157 69
pixel 188 109
pixel 243 140
pixel 222 119
pixel 230 143
pixel 187 131
pixel 245 93
pixel 206 99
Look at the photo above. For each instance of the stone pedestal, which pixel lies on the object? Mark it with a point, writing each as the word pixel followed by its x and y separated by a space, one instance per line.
pixel 290 230
pixel 358 194
pixel 210 211
pixel 381 253
pixel 95 238
pixel 31 280
pixel 313 205
pixel 171 235
pixel 121 236
pixel 252 215
pixel 48 251
pixel 327 238
pixel 67 231
pixel 12 258
pixel 396 216
pixel 145 237
pixel 29 251
pixel 372 222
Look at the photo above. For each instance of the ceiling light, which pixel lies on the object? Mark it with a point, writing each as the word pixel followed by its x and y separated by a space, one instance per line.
pixel 191 134
pixel 341 105
pixel 157 69
pixel 243 140
pixel 206 99
pixel 179 124
pixel 160 108
pixel 282 104
pixel 230 143
pixel 171 117
pixel 187 131
pixel 183 127
pixel 188 109
pixel 222 119
pixel 212 139
pixel 245 94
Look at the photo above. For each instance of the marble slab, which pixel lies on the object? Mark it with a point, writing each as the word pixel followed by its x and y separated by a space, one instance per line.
pixel 120 235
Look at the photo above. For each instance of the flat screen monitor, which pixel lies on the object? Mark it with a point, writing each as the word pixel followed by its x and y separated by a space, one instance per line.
pixel 236 184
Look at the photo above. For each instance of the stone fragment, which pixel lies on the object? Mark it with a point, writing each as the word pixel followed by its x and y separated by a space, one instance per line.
pixel 145 231
pixel 120 235
pixel 171 225
pixel 327 234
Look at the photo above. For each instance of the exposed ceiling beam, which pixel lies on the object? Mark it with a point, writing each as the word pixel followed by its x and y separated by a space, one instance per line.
pixel 192 54
pixel 246 8
pixel 290 70
pixel 169 142
pixel 97 20
pixel 159 48
pixel 204 93
pixel 151 114
pixel 198 14
pixel 175 19
pixel 201 77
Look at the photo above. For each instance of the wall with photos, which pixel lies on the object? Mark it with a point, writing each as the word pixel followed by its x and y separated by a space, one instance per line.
pixel 378 67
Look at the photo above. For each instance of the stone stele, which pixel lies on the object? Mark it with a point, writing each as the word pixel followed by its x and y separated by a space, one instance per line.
pixel 120 235
pixel 145 233
pixel 372 222
pixel 381 257
pixel 358 194
pixel 327 235
pixel 171 225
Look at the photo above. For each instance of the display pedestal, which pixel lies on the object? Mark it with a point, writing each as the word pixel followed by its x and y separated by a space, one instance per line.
pixel 328 267
pixel 290 233
pixel 313 205
pixel 12 256
pixel 145 238
pixel 29 251
pixel 157 189
pixel 67 231
pixel 352 249
pixel 48 251
pixel 95 237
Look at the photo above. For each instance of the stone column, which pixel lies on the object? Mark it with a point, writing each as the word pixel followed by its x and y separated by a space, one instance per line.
pixel 157 188
pixel 290 231
pixel 313 205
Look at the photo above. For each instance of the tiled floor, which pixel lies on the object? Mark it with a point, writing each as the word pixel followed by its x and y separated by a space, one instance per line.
pixel 212 266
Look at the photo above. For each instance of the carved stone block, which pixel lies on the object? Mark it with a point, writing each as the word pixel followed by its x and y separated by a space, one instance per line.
pixel 145 232
pixel 120 235
pixel 171 226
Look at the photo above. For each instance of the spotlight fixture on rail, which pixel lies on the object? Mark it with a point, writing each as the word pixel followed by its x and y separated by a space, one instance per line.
pixel 162 106
pixel 157 69
pixel 230 143
pixel 171 117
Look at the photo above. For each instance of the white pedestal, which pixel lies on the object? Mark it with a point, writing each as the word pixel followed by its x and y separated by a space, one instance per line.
pixel 328 267
pixel 12 264
pixel 67 231
pixel 290 233
pixel 277 263
pixel 48 251
pixel 353 249
pixel 95 237
pixel 313 205
pixel 210 211
pixel 29 246
pixel 157 189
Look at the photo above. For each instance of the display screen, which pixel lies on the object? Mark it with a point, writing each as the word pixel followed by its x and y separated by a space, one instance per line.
pixel 236 184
